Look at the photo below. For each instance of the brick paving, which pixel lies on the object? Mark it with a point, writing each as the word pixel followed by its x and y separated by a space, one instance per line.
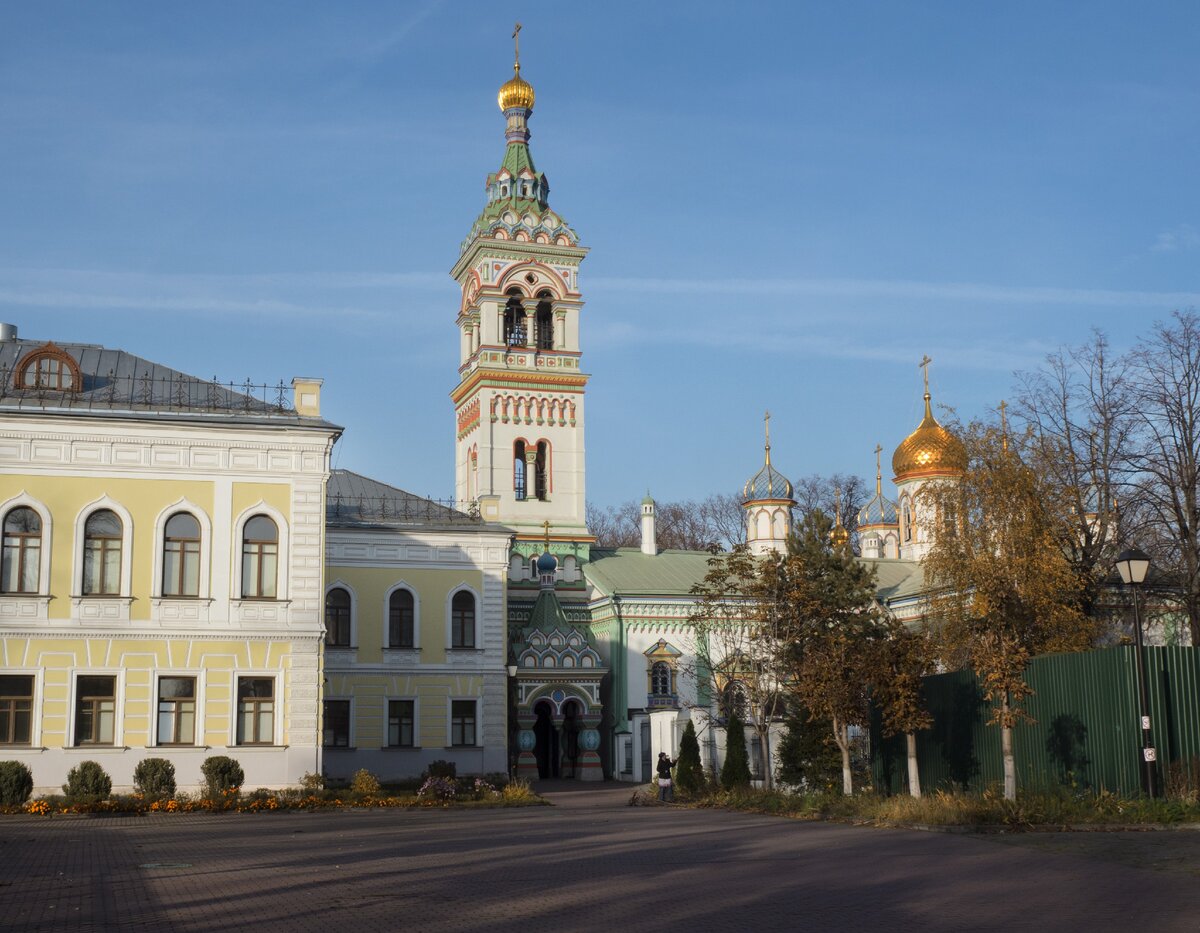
pixel 588 863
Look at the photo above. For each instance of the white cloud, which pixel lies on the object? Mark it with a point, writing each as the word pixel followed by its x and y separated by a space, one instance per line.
pixel 1183 237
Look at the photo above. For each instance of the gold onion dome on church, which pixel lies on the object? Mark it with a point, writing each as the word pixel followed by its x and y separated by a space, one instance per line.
pixel 929 449
pixel 515 92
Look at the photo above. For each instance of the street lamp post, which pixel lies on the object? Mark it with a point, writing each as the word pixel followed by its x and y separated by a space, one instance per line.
pixel 1133 566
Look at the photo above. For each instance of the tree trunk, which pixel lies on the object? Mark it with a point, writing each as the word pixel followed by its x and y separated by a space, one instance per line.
pixel 914 773
pixel 841 735
pixel 764 756
pixel 1006 751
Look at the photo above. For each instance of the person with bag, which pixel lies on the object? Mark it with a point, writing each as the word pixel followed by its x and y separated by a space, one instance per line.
pixel 666 792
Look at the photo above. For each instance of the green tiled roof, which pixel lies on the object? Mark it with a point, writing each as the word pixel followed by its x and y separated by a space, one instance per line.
pixel 628 572
pixel 548 613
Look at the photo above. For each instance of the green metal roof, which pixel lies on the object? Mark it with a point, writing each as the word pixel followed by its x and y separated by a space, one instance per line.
pixel 627 571
pixel 896 579
pixel 548 613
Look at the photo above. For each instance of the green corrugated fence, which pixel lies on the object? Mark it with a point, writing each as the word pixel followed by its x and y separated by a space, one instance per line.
pixel 1085 731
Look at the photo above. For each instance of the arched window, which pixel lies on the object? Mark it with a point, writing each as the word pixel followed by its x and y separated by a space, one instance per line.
pixel 544 317
pixel 337 618
pixel 519 487
pixel 102 554
pixel 514 320
pixel 660 679
pixel 48 367
pixel 541 472
pixel 181 556
pixel 735 700
pixel 908 522
pixel 22 551
pixel 260 558
pixel 462 620
pixel 401 616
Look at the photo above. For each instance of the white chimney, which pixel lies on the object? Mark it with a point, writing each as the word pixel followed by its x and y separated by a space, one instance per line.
pixel 648 544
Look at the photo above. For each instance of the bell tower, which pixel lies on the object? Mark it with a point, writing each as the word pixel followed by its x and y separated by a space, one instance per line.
pixel 519 402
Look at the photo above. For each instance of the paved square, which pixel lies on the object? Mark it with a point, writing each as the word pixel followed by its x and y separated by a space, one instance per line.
pixel 589 863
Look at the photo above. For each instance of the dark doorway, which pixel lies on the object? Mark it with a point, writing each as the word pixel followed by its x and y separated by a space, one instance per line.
pixel 570 738
pixel 645 752
pixel 545 735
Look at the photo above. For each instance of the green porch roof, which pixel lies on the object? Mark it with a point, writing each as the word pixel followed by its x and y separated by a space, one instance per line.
pixel 896 579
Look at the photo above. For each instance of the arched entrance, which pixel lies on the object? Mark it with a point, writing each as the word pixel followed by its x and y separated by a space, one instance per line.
pixel 546 744
pixel 572 714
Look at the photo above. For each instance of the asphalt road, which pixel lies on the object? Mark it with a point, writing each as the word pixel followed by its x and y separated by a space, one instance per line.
pixel 588 863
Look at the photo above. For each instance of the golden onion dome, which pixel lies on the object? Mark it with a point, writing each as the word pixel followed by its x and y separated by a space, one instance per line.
pixel 929 449
pixel 839 535
pixel 515 92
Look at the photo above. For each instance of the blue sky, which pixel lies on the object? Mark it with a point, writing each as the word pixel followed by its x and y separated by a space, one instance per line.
pixel 787 206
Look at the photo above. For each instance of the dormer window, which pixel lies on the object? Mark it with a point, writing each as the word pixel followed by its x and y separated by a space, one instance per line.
pixel 48 367
pixel 504 191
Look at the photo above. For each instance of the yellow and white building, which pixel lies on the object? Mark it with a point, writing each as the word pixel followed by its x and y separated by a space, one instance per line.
pixel 161 592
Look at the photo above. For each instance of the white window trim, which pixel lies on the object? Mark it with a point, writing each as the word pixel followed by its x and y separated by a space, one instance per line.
pixel 125 588
pixel 387 599
pixel 340 584
pixel 461 587
pixel 118 706
pixel 235 713
pixel 35 726
pixel 416 702
pixel 450 701
pixel 285 553
pixel 199 730
pixel 350 744
pixel 24 499
pixel 160 542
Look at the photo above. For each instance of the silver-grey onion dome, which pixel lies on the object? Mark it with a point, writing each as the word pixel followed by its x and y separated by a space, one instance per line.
pixel 767 483
pixel 547 563
pixel 879 511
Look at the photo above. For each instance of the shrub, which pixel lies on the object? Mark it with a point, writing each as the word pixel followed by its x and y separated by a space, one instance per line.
pixel 87 782
pixel 517 791
pixel 312 782
pixel 221 774
pixel 16 783
pixel 441 769
pixel 689 775
pixel 735 772
pixel 154 778
pixel 364 783
pixel 808 756
pixel 438 788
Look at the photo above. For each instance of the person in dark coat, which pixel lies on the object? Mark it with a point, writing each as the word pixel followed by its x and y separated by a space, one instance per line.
pixel 666 792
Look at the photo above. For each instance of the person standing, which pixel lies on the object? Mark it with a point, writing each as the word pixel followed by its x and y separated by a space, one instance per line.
pixel 666 791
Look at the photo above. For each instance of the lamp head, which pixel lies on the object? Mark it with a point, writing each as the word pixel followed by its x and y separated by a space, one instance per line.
pixel 1133 565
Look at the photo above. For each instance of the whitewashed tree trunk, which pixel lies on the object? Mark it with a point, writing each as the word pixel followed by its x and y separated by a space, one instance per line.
pixel 841 735
pixel 914 773
pixel 1006 751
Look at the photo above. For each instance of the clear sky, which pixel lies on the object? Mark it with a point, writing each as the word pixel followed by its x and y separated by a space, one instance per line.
pixel 787 205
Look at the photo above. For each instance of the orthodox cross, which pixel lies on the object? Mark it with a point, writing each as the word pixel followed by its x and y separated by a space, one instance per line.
pixel 878 471
pixel 546 530
pixel 924 365
pixel 517 47
pixel 1004 424
pixel 767 429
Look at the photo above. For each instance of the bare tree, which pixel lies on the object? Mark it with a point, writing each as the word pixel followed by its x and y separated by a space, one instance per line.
pixel 688 525
pixel 831 493
pixel 1166 392
pixel 1078 412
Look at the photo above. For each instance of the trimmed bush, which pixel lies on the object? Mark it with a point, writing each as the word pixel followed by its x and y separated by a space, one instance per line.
pixel 441 769
pixel 154 778
pixel 87 782
pixel 16 783
pixel 312 782
pixel 221 774
pixel 735 772
pixel 364 783
pixel 689 774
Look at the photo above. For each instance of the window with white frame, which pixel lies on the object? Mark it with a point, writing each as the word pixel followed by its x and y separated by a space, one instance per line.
pixel 462 722
pixel 401 619
pixel 337 618
pixel 260 558
pixel 102 537
pixel 181 556
pixel 400 725
pixel 16 709
pixel 22 551
pixel 462 620
pixel 255 710
pixel 177 711
pixel 95 709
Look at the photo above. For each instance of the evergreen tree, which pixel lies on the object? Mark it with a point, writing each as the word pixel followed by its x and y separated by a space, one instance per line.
pixel 689 775
pixel 808 754
pixel 735 772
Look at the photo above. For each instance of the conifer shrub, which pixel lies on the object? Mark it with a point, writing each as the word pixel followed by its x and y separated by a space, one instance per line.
pixel 441 769
pixel 16 783
pixel 221 774
pixel 154 778
pixel 689 774
pixel 735 772
pixel 87 782
pixel 808 756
